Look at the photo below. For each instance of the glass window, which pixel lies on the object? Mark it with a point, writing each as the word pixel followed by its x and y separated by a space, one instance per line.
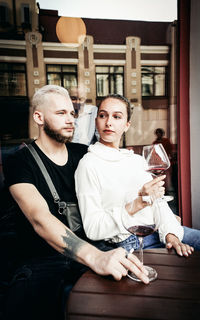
pixel 154 81
pixel 3 14
pixel 102 69
pixel 69 80
pixel 116 83
pixel 116 70
pixel 12 79
pixel 25 13
pixel 109 79
pixel 54 79
pixel 102 85
pixel 159 85
pixel 62 75
pixel 53 68
pixel 69 68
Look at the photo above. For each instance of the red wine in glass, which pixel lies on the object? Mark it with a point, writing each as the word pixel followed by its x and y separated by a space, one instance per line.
pixel 157 161
pixel 156 171
pixel 142 231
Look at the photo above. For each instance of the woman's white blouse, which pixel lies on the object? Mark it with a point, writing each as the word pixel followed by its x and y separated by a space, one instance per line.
pixel 106 179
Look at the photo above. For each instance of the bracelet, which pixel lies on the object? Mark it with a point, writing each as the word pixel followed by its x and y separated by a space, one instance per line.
pixel 147 199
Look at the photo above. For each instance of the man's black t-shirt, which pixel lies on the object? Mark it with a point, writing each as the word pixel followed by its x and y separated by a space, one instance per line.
pixel 21 167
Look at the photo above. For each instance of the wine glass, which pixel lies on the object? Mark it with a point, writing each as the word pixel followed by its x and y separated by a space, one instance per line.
pixel 157 161
pixel 139 226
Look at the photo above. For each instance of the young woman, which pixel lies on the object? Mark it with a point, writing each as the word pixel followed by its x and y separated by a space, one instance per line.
pixel 110 180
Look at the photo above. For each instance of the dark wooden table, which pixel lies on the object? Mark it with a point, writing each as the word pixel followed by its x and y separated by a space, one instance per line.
pixel 174 295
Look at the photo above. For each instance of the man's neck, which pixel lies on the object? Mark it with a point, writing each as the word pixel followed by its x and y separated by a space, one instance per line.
pixel 54 150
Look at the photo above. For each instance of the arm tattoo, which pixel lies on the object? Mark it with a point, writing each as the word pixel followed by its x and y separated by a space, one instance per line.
pixel 72 245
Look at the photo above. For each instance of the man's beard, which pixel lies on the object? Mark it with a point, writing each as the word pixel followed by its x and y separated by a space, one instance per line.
pixel 55 135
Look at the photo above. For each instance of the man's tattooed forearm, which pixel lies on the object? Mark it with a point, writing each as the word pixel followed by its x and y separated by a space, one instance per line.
pixel 72 245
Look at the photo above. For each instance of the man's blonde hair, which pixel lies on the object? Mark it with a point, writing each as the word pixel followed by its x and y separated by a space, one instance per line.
pixel 40 95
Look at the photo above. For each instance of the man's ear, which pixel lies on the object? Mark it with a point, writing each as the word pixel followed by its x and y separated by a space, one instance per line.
pixel 127 126
pixel 38 117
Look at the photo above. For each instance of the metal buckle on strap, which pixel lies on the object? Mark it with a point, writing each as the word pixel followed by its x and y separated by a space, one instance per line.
pixel 62 207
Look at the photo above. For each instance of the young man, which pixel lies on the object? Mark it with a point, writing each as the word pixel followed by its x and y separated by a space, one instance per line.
pixel 49 254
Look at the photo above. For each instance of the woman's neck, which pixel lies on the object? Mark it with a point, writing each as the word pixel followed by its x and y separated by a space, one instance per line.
pixel 113 145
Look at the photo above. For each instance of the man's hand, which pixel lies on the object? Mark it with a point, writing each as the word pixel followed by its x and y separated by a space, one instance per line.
pixel 116 263
pixel 182 249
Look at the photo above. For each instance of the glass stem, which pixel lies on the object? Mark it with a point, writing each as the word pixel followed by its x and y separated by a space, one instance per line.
pixel 141 249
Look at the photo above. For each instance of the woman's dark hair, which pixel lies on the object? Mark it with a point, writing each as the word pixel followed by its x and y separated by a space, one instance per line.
pixel 121 98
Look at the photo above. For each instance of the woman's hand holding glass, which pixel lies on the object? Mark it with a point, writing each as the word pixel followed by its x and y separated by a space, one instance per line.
pixel 157 162
pixel 151 190
pixel 154 189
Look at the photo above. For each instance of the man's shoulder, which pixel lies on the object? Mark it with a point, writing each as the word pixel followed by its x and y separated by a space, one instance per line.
pixel 18 167
pixel 77 149
pixel 17 154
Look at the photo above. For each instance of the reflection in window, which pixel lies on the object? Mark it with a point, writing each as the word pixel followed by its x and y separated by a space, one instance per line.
pixel 62 75
pixel 154 81
pixel 25 13
pixel 4 20
pixel 12 79
pixel 109 80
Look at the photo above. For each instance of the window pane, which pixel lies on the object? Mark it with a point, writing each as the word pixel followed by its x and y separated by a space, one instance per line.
pixel 116 70
pixel 4 84
pixel 53 78
pixel 102 69
pixel 12 66
pixel 116 84
pixel 159 69
pixel 12 84
pixel 147 69
pixel 153 81
pixel 18 67
pixel 19 88
pixel 26 15
pixel 69 80
pixel 160 85
pixel 68 68
pixel 63 75
pixel 102 85
pixel 3 13
pixel 147 85
pixel 53 68
pixel 4 66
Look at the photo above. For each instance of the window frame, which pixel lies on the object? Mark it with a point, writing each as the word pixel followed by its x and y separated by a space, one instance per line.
pixel 62 73
pixel 109 78
pixel 5 22
pixel 23 15
pixel 153 96
pixel 12 71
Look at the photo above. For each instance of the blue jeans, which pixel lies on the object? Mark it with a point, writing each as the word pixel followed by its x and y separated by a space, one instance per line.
pixel 149 242
pixel 191 237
